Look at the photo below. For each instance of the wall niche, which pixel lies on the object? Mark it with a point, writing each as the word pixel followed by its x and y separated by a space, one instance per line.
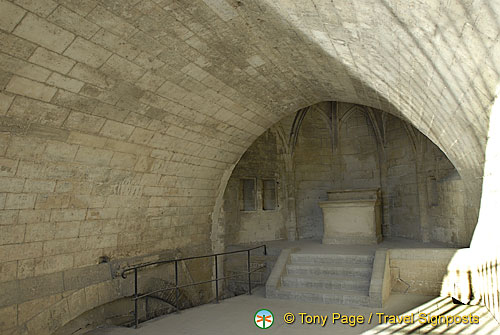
pixel 336 146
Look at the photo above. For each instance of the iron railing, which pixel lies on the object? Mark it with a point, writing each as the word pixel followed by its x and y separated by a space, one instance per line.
pixel 176 261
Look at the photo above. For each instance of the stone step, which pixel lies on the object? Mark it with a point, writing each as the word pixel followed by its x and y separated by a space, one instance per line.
pixel 362 259
pixel 323 296
pixel 345 269
pixel 345 283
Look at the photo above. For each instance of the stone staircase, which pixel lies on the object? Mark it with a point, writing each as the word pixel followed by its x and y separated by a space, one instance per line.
pixel 325 278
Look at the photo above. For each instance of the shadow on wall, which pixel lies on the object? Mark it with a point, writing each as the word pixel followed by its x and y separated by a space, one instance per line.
pixel 472 279
pixel 439 316
pixel 473 273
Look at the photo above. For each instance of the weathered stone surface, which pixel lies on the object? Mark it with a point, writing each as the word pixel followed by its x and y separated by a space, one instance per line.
pixel 8 271
pixel 116 130
pixel 47 132
pixel 49 201
pixel 114 43
pixel 42 32
pixel 20 201
pixel 83 277
pixel 84 122
pixel 39 7
pixel 30 88
pixel 92 76
pixel 119 67
pixel 38 112
pixel 142 110
pixel 66 83
pixel 5 102
pixel 60 152
pixel 10 15
pixel 20 251
pixel 93 156
pixel 51 60
pixel 68 215
pixel 73 22
pixel 14 185
pixel 87 52
pixel 8 317
pixel 11 234
pixel 16 46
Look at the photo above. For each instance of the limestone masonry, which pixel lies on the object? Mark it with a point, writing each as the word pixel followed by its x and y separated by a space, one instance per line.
pixel 126 127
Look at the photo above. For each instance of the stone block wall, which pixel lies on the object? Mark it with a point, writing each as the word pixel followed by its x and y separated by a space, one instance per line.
pixel 448 214
pixel 419 271
pixel 357 151
pixel 401 202
pixel 149 102
pixel 313 169
pixel 261 161
pixel 99 153
pixel 70 198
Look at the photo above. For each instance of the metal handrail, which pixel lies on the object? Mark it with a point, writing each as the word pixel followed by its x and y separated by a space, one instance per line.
pixel 139 266
pixel 135 269
pixel 193 284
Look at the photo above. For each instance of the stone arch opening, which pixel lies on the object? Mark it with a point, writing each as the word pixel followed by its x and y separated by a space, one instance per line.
pixel 122 124
pixel 334 146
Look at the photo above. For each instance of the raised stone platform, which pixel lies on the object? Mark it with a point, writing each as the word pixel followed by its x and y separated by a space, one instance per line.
pixel 352 217
pixel 327 273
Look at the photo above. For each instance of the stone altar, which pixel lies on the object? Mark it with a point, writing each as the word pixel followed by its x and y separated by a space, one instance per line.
pixel 352 217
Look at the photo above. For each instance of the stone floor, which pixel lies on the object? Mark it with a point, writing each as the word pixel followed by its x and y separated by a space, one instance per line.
pixel 235 316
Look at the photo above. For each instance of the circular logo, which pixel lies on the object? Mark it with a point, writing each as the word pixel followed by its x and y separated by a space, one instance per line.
pixel 263 318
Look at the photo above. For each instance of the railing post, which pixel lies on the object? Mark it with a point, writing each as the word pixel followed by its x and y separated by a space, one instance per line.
pixel 136 316
pixel 176 287
pixel 177 291
pixel 249 273
pixel 216 280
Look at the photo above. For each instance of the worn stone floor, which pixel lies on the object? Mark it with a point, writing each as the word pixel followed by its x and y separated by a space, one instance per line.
pixel 235 316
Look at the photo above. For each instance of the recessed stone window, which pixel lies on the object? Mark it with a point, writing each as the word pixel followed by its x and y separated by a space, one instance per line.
pixel 269 199
pixel 247 194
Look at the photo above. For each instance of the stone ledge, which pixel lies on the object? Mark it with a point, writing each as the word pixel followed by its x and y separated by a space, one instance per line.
pixel 274 281
pixel 380 283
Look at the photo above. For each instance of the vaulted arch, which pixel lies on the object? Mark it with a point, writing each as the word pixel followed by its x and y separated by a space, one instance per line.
pixel 121 121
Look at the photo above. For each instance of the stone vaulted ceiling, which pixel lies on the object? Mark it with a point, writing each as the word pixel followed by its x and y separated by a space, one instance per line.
pixel 144 105
pixel 121 120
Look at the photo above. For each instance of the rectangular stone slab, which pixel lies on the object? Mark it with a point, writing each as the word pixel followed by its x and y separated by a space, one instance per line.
pixel 352 217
